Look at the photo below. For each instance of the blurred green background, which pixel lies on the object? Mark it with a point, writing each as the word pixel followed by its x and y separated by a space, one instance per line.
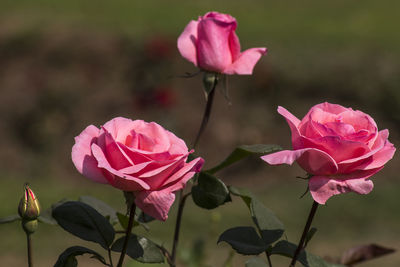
pixel 67 64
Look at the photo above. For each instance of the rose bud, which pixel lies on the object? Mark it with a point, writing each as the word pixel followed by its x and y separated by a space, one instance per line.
pixel 28 208
pixel 211 44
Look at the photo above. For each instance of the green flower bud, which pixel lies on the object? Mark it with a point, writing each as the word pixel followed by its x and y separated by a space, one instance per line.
pixel 30 226
pixel 210 81
pixel 29 208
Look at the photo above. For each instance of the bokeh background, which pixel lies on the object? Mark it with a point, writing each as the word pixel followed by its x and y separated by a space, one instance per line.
pixel 67 64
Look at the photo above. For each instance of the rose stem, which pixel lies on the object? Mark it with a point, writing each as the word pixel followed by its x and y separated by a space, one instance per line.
pixel 182 198
pixel 29 245
pixel 128 234
pixel 300 246
pixel 207 113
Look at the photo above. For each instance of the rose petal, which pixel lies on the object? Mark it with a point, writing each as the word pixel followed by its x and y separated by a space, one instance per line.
pixel 323 187
pixel 155 203
pixel 187 42
pixel 234 45
pixel 293 124
pixel 120 180
pixel 213 51
pixel 312 160
pixel 246 61
pixel 178 180
pixel 82 156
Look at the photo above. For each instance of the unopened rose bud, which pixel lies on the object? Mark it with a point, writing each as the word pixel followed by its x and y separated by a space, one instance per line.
pixel 29 208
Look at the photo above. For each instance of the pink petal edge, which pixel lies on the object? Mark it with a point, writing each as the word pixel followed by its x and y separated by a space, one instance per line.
pixel 187 42
pixel 155 203
pixel 246 61
pixel 83 158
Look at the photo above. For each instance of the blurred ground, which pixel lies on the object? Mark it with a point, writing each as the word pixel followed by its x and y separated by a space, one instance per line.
pixel 67 64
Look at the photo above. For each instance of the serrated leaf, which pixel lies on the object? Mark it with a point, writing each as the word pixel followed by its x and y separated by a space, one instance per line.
pixel 363 253
pixel 9 219
pixel 210 192
pixel 140 249
pixel 242 152
pixel 84 222
pixel 244 240
pixel 270 227
pixel 256 262
pixel 287 249
pixel 67 258
pixel 102 207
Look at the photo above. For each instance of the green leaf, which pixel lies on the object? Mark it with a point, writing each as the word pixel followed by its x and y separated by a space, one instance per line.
pixel 102 207
pixel 256 262
pixel 244 240
pixel 287 249
pixel 310 235
pixel 67 258
pixel 246 195
pixel 11 218
pixel 84 222
pixel 270 227
pixel 144 218
pixel 140 249
pixel 210 192
pixel 244 151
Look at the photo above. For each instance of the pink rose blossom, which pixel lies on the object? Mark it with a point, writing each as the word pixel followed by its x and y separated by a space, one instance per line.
pixel 340 147
pixel 212 44
pixel 139 157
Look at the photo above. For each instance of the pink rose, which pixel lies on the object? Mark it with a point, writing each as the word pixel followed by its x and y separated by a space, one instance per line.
pixel 212 44
pixel 339 146
pixel 136 156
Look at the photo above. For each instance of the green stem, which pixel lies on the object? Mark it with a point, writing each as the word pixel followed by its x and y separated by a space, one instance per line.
pixel 29 245
pixel 300 246
pixel 269 259
pixel 110 258
pixel 182 200
pixel 207 112
pixel 128 234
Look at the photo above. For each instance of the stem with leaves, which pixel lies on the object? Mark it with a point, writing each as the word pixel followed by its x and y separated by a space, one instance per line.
pixel 210 91
pixel 128 234
pixel 300 246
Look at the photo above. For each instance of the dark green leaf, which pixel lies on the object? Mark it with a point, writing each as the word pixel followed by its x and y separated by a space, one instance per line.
pixel 67 258
pixel 310 235
pixel 85 222
pixel 102 207
pixel 244 240
pixel 11 218
pixel 271 228
pixel 123 220
pixel 256 262
pixel 140 249
pixel 246 195
pixel 144 218
pixel 288 249
pixel 210 192
pixel 244 151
